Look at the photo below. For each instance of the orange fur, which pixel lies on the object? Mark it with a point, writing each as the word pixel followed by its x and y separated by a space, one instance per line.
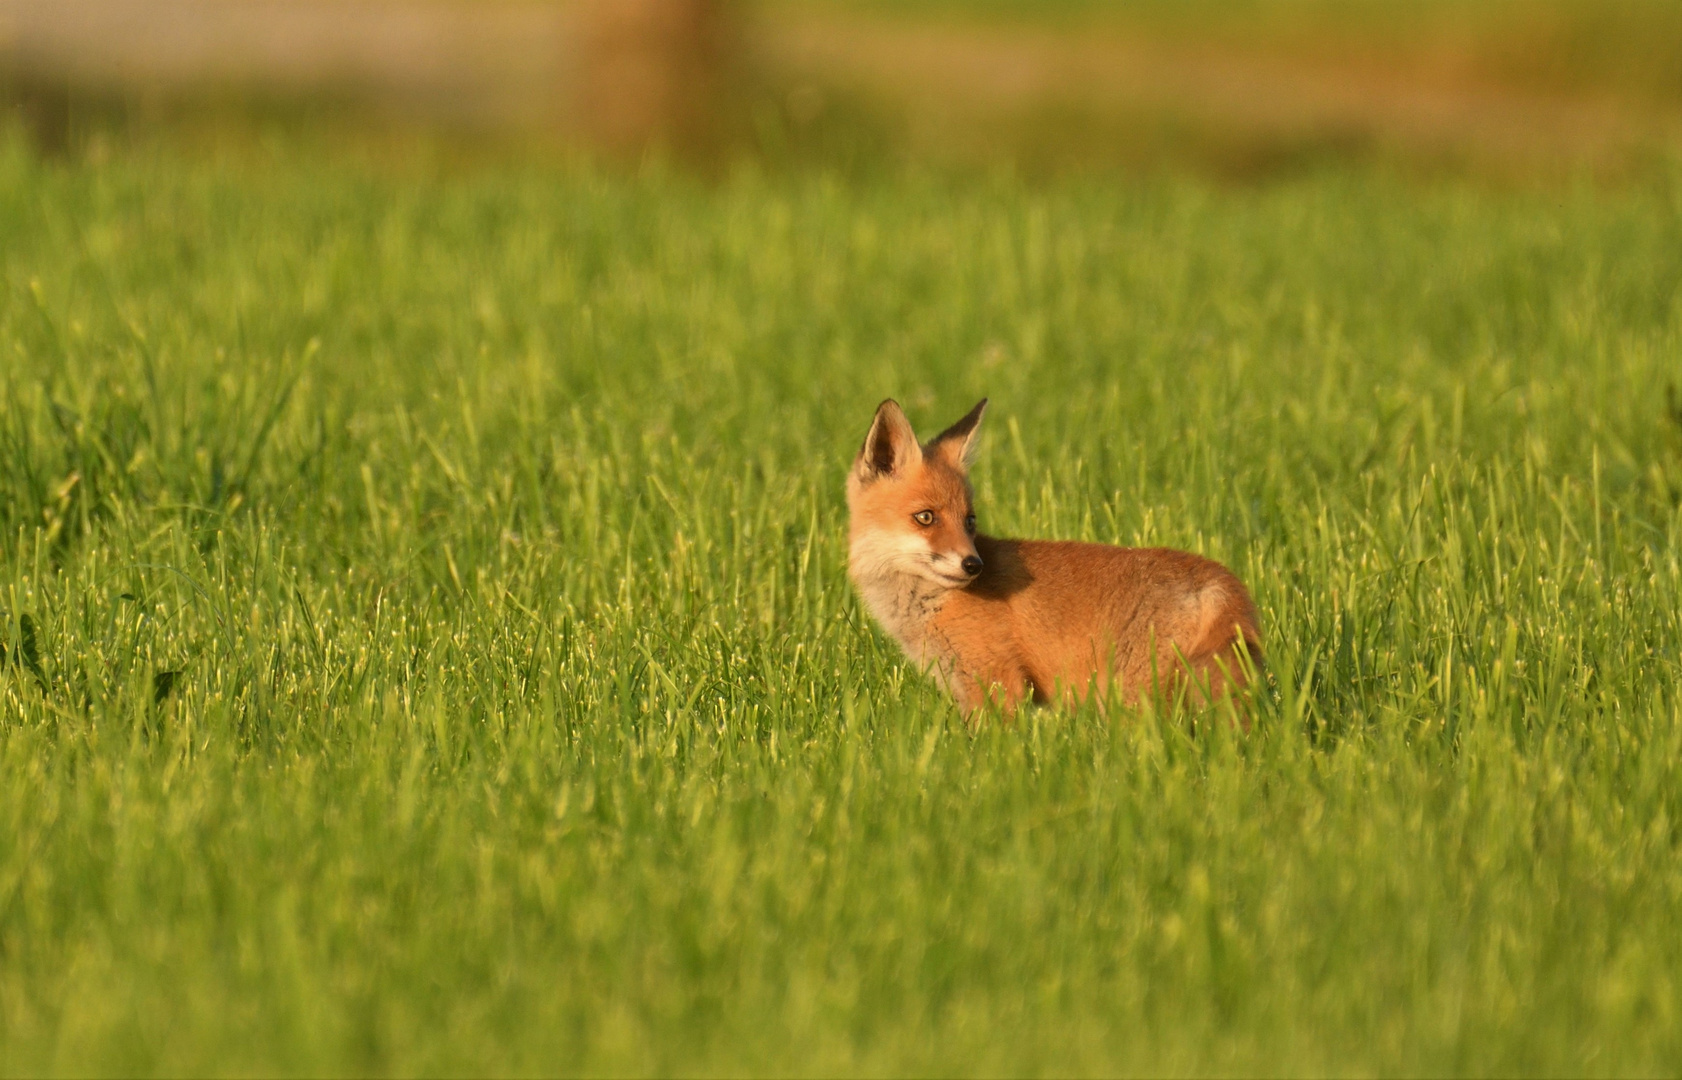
pixel 1041 620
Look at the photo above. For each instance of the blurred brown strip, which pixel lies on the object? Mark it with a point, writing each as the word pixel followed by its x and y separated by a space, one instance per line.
pixel 624 74
pixel 620 72
pixel 961 87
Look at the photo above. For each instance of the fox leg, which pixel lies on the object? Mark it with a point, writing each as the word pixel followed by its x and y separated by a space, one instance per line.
pixel 1005 688
pixel 1221 674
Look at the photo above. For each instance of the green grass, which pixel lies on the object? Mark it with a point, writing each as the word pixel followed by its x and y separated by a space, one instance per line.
pixel 525 720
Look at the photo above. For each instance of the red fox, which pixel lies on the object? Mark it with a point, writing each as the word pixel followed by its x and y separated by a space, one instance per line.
pixel 1003 620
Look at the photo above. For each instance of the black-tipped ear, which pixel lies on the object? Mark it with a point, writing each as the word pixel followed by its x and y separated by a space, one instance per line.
pixel 891 444
pixel 957 443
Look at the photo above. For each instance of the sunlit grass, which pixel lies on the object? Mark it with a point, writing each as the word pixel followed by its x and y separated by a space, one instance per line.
pixel 428 645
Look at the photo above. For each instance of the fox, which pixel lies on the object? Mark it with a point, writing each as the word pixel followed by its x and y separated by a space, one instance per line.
pixel 1000 622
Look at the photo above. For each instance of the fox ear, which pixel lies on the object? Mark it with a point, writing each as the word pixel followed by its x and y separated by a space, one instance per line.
pixel 891 444
pixel 957 443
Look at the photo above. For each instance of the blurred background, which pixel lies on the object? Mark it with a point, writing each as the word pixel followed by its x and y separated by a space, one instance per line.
pixel 1239 88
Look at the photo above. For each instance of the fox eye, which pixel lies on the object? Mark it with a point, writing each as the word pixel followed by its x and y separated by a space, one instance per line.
pixel 969 523
pixel 923 517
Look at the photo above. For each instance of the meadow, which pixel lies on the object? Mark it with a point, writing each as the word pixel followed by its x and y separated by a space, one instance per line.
pixel 428 646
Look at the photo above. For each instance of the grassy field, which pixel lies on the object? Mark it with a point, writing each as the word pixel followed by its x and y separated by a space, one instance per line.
pixel 428 648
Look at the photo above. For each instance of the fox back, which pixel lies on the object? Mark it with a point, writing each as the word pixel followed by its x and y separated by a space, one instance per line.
pixel 1001 621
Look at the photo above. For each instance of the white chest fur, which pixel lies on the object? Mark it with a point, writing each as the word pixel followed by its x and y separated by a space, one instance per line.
pixel 905 604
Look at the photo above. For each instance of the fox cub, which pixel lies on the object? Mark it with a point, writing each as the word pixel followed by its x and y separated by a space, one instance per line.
pixel 1002 620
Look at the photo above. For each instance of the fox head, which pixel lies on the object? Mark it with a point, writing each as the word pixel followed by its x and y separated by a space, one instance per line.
pixel 911 505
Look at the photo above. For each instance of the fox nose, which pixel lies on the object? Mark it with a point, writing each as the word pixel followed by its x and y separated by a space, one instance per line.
pixel 972 565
